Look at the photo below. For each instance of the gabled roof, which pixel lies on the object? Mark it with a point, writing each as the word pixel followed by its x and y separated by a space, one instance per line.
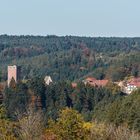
pixel 48 80
pixel 74 85
pixel 94 82
pixel 135 81
pixel 99 83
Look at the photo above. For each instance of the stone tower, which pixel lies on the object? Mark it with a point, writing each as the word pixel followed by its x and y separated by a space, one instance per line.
pixel 13 72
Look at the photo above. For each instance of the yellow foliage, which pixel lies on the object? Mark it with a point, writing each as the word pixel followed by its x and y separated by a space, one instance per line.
pixel 98 129
pixel 87 125
pixel 6 130
pixel 69 126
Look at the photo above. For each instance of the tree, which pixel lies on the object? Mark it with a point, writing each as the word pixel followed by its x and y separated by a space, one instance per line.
pixel 124 110
pixel 31 125
pixel 12 83
pixel 16 99
pixel 6 127
pixel 0 76
pixel 37 86
pixel 70 125
pixel 2 112
pixel 6 130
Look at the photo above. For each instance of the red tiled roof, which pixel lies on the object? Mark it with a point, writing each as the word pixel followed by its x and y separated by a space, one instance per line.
pixel 135 81
pixel 95 82
pixel 137 84
pixel 99 83
pixel 74 85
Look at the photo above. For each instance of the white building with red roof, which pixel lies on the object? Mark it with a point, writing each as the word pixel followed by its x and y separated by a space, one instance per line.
pixel 132 85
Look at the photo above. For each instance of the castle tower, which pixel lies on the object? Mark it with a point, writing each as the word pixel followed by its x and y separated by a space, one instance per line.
pixel 13 72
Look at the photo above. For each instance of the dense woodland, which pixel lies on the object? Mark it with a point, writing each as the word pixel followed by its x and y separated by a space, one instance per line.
pixel 33 111
pixel 82 113
pixel 71 58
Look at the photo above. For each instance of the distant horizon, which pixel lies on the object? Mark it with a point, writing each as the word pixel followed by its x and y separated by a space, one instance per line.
pixel 35 35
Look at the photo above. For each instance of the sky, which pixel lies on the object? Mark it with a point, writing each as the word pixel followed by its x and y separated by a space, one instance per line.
pixel 104 18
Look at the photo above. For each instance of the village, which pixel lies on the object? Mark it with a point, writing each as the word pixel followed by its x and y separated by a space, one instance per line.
pixel 127 86
pixel 70 70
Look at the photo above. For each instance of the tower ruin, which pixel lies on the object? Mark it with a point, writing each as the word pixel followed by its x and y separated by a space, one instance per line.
pixel 13 72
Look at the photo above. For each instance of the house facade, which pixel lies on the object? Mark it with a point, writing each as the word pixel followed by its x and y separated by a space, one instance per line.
pixel 130 88
pixel 130 85
pixel 48 80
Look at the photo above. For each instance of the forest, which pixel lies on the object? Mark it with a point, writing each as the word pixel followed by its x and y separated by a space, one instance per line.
pixel 70 57
pixel 30 110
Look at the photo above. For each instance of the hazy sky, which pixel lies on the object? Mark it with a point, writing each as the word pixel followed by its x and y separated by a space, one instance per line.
pixel 70 17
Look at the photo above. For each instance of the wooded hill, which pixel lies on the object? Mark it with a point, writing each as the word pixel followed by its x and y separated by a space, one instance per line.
pixel 71 57
pixel 75 112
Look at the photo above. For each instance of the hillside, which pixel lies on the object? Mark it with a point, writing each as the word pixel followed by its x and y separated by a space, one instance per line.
pixel 71 57
pixel 31 109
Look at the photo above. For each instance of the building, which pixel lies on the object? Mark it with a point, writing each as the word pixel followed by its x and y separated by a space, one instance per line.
pixel 130 88
pixel 74 85
pixel 94 82
pixel 48 80
pixel 13 72
pixel 135 81
pixel 130 85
